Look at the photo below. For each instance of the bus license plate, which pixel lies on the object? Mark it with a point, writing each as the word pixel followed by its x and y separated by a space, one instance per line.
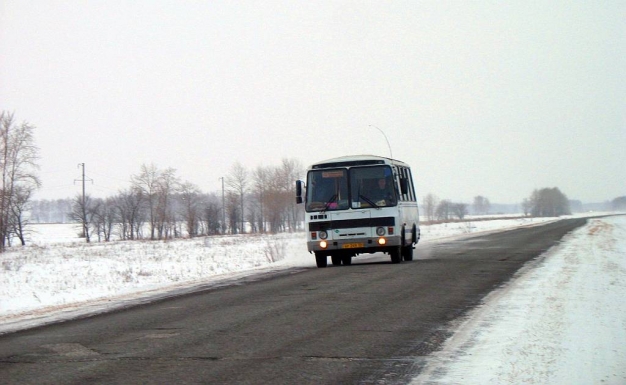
pixel 351 245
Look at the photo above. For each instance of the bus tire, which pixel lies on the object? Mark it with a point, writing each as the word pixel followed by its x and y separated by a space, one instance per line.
pixel 347 260
pixel 321 260
pixel 407 253
pixel 396 254
pixel 403 236
pixel 336 260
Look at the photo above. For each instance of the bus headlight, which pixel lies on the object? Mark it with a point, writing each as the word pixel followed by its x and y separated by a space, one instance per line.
pixel 323 235
pixel 380 231
pixel 323 244
pixel 382 241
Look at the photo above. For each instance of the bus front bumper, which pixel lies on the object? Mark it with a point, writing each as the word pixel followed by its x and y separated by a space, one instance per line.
pixel 354 246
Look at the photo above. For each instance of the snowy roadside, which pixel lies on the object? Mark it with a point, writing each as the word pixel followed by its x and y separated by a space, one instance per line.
pixel 59 277
pixel 561 320
pixel 49 281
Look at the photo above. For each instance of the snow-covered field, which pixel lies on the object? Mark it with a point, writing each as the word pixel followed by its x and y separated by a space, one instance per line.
pixel 562 320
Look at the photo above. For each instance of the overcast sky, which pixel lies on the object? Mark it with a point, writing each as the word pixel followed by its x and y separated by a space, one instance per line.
pixel 481 98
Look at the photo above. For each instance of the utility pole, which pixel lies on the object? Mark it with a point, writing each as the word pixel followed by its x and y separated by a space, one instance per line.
pixel 83 204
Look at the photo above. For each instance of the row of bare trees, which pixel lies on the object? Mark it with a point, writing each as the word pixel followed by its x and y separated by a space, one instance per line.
pixel 159 206
pixel 273 206
pixel 545 202
pixel 443 210
pixel 18 165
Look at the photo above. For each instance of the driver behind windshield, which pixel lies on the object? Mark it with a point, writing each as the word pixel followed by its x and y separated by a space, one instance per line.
pixel 382 193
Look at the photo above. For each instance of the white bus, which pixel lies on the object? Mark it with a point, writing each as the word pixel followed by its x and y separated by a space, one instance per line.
pixel 359 204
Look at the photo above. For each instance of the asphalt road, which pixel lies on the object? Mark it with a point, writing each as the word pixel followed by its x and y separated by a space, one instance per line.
pixel 369 323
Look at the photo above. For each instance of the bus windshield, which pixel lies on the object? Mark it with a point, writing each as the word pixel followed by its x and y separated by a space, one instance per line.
pixel 327 190
pixel 372 186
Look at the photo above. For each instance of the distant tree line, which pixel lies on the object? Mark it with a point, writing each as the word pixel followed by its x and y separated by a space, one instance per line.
pixel 51 210
pixel 436 210
pixel 546 202
pixel 619 204
pixel 158 205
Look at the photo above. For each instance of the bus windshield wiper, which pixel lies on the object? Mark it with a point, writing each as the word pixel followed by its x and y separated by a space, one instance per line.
pixel 368 200
pixel 330 201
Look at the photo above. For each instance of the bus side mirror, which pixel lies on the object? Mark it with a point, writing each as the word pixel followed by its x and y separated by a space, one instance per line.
pixel 299 185
pixel 404 186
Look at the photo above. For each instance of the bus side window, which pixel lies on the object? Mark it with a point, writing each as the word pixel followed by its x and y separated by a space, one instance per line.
pixel 412 194
pixel 403 186
pixel 406 184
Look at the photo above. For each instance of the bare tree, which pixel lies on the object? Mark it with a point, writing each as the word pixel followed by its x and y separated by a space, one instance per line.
pixel 18 164
pixel 272 197
pixel 129 207
pixel 232 212
pixel 146 183
pixel 237 183
pixel 18 221
pixel 444 210
pixel 252 213
pixel 190 207
pixel 261 178
pixel 481 205
pixel 83 212
pixel 211 218
pixel 104 218
pixel 275 203
pixel 430 203
pixel 156 186
pixel 460 210
pixel 167 185
pixel 289 172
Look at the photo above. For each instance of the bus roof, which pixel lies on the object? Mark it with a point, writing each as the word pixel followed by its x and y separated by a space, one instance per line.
pixel 356 160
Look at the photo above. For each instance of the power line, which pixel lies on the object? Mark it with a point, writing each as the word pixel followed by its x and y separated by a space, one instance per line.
pixel 112 177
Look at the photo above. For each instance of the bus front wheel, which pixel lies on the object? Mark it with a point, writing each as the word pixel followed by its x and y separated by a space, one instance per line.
pixel 321 260
pixel 396 254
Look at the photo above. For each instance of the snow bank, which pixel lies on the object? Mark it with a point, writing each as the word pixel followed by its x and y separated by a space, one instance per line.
pixel 562 320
